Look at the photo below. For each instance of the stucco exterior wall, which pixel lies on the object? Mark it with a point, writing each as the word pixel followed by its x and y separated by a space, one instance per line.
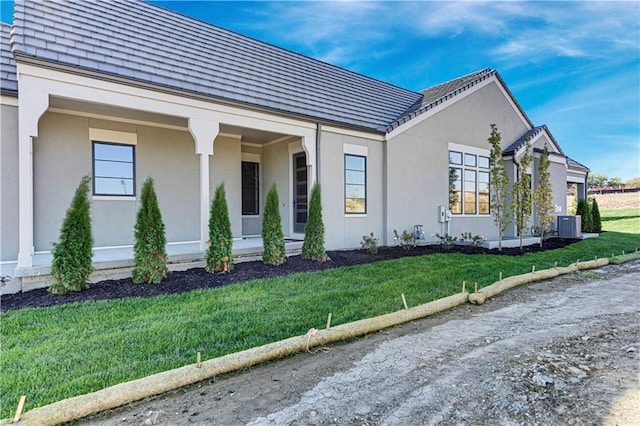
pixel 277 167
pixel 224 166
pixel 166 155
pixel 344 230
pixel 418 161
pixel 9 183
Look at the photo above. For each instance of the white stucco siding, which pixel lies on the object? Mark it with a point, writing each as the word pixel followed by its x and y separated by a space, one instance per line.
pixel 418 161
pixel 224 166
pixel 276 168
pixel 63 154
pixel 346 230
pixel 9 183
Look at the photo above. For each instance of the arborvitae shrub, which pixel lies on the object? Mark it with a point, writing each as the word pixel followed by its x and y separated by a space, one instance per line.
pixel 72 254
pixel 596 220
pixel 220 251
pixel 272 236
pixel 584 211
pixel 313 246
pixel 149 251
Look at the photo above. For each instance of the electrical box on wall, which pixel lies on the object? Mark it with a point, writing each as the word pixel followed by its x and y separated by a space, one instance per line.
pixel 441 214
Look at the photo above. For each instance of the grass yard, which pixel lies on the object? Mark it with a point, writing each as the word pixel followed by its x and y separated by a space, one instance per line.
pixel 54 353
pixel 621 220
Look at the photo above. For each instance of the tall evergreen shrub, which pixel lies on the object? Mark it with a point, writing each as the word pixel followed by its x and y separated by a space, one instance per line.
pixel 272 236
pixel 313 246
pixel 596 220
pixel 219 253
pixel 584 211
pixel 72 254
pixel 150 256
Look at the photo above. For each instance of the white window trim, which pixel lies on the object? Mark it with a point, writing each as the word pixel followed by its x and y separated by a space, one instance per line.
pixel 362 151
pixel 467 149
pixel 249 157
pixel 113 136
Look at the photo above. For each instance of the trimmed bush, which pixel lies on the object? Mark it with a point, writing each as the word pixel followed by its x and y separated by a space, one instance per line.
pixel 72 254
pixel 313 246
pixel 596 220
pixel 584 211
pixel 272 236
pixel 149 251
pixel 219 253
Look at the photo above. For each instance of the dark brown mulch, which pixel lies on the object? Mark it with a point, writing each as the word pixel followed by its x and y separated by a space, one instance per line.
pixel 198 278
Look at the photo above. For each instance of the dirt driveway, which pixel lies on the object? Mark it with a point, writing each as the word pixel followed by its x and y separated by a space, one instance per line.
pixel 564 351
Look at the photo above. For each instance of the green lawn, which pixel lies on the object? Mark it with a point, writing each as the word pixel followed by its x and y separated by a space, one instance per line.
pixel 622 220
pixel 53 353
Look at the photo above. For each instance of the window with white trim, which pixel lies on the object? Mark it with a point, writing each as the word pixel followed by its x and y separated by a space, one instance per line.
pixel 113 169
pixel 468 183
pixel 355 184
pixel 250 188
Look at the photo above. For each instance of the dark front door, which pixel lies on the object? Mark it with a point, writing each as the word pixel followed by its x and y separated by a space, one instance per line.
pixel 299 192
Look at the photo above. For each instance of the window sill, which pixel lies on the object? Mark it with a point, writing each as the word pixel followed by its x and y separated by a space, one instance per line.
pixel 251 216
pixel 113 198
pixel 355 215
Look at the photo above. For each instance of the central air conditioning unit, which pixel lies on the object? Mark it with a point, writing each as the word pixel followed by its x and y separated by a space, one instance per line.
pixel 569 226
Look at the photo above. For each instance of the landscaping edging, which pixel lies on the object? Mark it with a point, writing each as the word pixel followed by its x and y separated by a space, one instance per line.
pixel 114 396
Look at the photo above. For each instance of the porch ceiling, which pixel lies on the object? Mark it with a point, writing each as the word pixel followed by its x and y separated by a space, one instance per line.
pixel 254 136
pixel 116 112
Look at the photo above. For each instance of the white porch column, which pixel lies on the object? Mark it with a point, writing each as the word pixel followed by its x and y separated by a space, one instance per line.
pixel 31 106
pixel 310 149
pixel 204 133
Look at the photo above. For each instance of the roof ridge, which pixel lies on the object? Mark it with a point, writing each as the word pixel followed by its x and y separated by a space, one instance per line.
pixel 482 71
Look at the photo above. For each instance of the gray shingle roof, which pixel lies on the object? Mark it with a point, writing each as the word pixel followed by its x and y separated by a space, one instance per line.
pixel 8 80
pixel 573 164
pixel 144 42
pixel 522 140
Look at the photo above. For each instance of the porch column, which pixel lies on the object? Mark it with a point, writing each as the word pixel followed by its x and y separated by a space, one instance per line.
pixel 310 149
pixel 204 132
pixel 31 106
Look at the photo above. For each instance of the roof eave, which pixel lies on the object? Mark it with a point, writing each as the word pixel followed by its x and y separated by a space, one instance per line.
pixel 113 78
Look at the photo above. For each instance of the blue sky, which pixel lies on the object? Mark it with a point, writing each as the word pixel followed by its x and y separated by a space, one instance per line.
pixel 572 65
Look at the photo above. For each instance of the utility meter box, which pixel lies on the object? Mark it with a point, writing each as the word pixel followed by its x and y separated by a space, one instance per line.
pixel 569 226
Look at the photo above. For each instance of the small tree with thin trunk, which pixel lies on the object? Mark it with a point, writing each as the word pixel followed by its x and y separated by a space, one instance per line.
pixel 596 219
pixel 149 251
pixel 542 196
pixel 220 251
pixel 313 246
pixel 272 236
pixel 498 186
pixel 522 193
pixel 72 254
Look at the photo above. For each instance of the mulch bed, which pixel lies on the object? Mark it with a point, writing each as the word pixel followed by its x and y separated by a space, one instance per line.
pixel 198 278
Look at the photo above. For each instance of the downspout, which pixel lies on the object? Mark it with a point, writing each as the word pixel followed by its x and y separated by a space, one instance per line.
pixel 318 137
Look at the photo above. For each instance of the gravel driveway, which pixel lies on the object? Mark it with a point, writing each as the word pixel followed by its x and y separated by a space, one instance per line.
pixel 564 351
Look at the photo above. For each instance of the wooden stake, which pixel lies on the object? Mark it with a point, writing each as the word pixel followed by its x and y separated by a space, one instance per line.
pixel 198 363
pixel 623 252
pixel 404 301
pixel 16 418
pixel 329 321
pixel 475 286
pixel 464 284
pixel 533 268
pixel 555 264
pixel 500 275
